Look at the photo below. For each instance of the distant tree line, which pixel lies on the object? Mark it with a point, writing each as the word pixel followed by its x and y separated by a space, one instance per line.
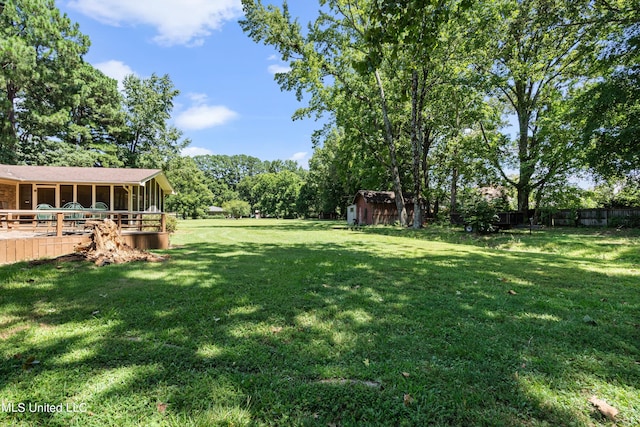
pixel 274 188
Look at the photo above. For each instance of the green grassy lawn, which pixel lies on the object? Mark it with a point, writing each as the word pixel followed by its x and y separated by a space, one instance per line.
pixel 265 322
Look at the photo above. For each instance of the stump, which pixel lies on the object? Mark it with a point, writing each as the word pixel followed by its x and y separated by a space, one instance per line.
pixel 108 247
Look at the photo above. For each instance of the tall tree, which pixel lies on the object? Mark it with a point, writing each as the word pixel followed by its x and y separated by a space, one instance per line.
pixel 536 50
pixel 275 194
pixel 373 66
pixel 417 40
pixel 327 62
pixel 193 197
pixel 147 139
pixel 86 135
pixel 610 106
pixel 39 51
pixel 96 117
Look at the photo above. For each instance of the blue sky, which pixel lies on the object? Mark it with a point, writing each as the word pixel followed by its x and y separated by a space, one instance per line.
pixel 229 102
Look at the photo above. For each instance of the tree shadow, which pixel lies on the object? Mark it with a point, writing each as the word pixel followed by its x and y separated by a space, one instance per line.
pixel 316 333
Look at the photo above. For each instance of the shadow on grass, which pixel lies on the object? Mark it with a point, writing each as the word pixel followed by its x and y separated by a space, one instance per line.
pixel 313 333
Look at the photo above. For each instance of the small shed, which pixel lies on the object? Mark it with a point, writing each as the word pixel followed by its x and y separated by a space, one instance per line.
pixel 376 207
pixel 25 187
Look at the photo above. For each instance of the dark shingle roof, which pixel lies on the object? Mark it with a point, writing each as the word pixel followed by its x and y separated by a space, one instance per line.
pixel 79 175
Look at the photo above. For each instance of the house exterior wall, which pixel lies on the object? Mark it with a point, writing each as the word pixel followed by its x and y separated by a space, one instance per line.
pixel 8 196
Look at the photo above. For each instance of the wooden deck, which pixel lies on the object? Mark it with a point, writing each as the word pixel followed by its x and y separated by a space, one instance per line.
pixel 30 235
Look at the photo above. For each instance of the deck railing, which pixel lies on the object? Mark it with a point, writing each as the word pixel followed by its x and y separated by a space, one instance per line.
pixel 76 220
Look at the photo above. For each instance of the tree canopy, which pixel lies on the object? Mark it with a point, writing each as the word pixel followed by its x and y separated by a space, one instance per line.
pixel 422 98
pixel 426 90
pixel 40 73
pixel 55 108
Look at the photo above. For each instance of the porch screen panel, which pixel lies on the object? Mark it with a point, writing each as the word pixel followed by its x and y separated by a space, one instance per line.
pixel 84 196
pixel 154 185
pixel 156 199
pixel 120 199
pixel 46 195
pixel 147 195
pixel 103 194
pixel 136 199
pixel 66 194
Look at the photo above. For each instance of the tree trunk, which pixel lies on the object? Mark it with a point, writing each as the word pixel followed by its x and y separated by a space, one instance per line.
pixel 526 167
pixel 426 187
pixel 9 137
pixel 416 148
pixel 454 189
pixel 523 199
pixel 390 140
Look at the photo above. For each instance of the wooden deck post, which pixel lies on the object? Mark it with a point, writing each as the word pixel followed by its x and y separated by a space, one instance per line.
pixel 163 222
pixel 59 223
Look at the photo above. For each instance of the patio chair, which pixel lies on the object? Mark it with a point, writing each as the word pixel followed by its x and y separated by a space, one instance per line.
pixel 76 217
pixel 44 216
pixel 99 206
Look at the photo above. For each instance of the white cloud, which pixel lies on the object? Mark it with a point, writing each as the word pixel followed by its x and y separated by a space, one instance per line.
pixel 115 69
pixel 301 158
pixel 277 68
pixel 195 151
pixel 204 116
pixel 186 22
pixel 197 98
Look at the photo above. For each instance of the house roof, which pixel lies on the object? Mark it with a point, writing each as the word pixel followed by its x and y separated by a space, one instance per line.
pixel 79 175
pixel 381 196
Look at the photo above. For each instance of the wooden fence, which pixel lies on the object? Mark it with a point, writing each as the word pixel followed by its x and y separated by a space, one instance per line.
pixel 595 218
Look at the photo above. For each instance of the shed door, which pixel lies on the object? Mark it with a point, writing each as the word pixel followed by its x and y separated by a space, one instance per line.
pixel 351 214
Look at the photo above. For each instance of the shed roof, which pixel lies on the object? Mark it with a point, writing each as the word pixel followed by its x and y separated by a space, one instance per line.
pixel 381 196
pixel 80 175
pixel 377 196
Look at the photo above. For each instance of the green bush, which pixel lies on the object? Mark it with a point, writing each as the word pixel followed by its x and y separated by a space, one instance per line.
pixel 152 223
pixel 171 223
pixel 237 208
pixel 480 215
